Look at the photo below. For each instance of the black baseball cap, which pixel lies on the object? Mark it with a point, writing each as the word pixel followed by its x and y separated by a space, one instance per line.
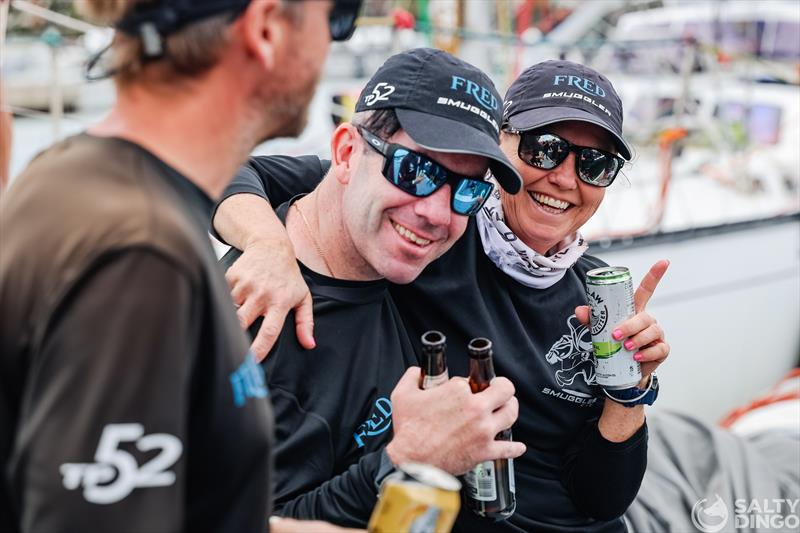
pixel 555 91
pixel 169 16
pixel 444 104
pixel 152 21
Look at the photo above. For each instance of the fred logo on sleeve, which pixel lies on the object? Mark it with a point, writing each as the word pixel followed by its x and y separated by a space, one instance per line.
pixel 248 381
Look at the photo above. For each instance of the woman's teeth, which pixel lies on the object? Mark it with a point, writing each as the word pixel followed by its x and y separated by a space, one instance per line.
pixel 559 205
pixel 409 235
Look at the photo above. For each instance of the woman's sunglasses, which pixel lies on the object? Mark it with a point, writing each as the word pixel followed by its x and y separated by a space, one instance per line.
pixel 342 19
pixel 547 150
pixel 420 176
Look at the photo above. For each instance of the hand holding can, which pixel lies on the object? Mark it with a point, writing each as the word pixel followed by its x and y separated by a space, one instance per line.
pixel 610 294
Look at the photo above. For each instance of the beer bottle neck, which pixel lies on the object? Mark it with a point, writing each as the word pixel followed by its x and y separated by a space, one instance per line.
pixel 481 372
pixel 434 362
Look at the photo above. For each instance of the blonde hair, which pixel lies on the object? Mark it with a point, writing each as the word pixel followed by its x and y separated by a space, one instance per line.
pixel 188 52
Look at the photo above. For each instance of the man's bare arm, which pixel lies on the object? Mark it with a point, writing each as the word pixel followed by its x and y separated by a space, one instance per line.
pixel 247 222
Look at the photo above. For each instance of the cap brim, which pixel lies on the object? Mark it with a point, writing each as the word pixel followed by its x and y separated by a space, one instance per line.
pixel 544 116
pixel 447 135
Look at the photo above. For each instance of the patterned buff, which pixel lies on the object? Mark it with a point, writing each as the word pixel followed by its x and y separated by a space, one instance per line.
pixel 518 260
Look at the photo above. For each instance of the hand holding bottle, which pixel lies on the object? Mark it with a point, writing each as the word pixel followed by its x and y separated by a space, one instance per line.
pixel 450 427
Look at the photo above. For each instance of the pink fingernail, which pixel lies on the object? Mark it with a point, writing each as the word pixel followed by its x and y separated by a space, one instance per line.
pixel 628 344
pixel 637 356
pixel 617 334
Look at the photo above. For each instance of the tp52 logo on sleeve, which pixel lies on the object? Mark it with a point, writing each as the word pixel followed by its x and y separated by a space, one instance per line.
pixel 115 472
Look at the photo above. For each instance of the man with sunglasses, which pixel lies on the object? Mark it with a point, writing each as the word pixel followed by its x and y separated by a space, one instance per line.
pixel 517 276
pixel 406 175
pixel 128 398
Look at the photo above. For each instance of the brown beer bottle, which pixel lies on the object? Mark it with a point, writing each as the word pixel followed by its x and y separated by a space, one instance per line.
pixel 489 486
pixel 433 363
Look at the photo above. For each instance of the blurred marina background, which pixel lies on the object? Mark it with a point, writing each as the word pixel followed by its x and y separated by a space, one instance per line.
pixel 712 100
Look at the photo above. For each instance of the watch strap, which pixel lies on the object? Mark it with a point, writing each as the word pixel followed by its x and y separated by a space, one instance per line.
pixel 634 395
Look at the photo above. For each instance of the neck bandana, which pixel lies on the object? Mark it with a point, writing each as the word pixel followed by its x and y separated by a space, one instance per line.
pixel 516 258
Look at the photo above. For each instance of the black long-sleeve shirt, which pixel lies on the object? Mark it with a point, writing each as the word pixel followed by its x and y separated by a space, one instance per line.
pixel 571 478
pixel 333 413
pixel 127 399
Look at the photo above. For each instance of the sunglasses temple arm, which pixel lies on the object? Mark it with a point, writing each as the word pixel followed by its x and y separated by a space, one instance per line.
pixel 375 141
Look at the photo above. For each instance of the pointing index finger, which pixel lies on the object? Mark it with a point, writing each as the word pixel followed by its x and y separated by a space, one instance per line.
pixel 649 283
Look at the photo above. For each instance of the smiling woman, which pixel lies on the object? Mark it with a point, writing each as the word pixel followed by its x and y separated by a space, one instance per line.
pixel 557 203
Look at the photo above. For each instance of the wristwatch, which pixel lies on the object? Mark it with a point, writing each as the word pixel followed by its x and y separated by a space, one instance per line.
pixel 636 396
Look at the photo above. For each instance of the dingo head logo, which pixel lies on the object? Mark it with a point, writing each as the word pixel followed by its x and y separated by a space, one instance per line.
pixel 710 518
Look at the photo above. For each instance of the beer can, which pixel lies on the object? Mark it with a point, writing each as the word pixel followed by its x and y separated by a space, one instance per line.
pixel 417 498
pixel 610 294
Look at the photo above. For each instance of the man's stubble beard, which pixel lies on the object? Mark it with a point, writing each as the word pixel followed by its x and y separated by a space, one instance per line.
pixel 284 112
pixel 289 114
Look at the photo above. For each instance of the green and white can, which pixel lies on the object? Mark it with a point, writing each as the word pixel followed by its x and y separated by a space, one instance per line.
pixel 610 294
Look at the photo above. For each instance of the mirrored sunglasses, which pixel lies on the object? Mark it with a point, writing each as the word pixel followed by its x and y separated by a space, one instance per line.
pixel 547 150
pixel 421 176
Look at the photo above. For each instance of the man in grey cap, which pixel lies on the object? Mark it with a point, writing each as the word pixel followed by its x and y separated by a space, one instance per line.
pixel 407 173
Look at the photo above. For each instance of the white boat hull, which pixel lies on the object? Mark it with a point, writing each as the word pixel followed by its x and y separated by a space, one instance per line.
pixel 730 307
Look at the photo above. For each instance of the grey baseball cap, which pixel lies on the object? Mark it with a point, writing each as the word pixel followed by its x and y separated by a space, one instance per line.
pixel 555 91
